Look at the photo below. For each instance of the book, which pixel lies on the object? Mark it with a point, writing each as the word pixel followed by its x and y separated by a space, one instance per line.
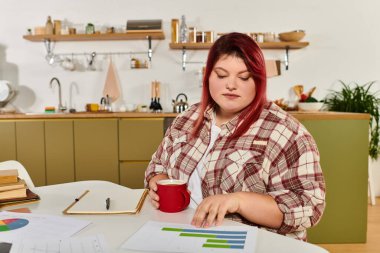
pixel 101 201
pixel 11 194
pixel 30 197
pixel 12 186
pixel 144 25
pixel 8 176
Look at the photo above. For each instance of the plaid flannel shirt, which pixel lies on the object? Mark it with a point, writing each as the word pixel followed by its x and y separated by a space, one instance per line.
pixel 276 156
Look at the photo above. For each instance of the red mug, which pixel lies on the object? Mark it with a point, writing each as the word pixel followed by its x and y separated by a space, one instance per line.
pixel 173 195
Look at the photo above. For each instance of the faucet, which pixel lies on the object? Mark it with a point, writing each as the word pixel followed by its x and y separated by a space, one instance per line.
pixel 61 108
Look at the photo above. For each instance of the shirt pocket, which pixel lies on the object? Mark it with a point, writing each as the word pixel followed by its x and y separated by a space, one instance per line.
pixel 240 164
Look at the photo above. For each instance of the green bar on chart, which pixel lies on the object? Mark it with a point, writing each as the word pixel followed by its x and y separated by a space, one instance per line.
pixel 197 235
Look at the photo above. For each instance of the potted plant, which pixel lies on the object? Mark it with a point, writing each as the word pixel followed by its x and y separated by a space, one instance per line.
pixel 358 98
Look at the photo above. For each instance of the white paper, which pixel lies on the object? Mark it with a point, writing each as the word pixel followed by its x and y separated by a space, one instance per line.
pixel 37 226
pixel 151 237
pixel 88 244
pixel 95 201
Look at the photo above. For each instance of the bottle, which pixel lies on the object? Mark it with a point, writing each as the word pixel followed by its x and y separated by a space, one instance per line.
pixel 49 29
pixel 183 30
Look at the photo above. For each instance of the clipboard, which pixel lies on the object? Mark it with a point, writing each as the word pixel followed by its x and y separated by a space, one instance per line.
pixel 125 201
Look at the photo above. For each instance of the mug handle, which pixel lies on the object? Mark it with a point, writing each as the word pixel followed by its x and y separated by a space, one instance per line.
pixel 186 198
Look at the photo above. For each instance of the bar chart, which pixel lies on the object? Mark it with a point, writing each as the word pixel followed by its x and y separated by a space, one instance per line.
pixel 172 237
pixel 215 238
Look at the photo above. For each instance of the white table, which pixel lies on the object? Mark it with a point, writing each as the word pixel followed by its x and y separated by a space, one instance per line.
pixel 117 228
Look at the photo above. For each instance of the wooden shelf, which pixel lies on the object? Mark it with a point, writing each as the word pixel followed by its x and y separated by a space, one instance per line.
pixel 130 35
pixel 189 45
pixel 264 45
pixel 283 45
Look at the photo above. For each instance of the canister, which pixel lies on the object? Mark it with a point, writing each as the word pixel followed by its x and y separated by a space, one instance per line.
pixel 259 38
pixel 192 34
pixel 57 26
pixel 175 30
pixel 209 36
pixel 201 37
pixel 269 36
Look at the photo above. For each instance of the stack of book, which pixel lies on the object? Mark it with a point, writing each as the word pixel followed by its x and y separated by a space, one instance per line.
pixel 13 190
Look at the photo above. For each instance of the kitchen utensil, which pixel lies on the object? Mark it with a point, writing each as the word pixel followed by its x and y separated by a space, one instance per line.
pixel 6 92
pixel 91 61
pixel 179 105
pixel 158 105
pixel 68 64
pixel 105 103
pixel 153 96
pixel 50 57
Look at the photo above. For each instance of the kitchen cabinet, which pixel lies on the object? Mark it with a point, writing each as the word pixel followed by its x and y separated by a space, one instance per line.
pixel 343 147
pixel 138 140
pixel 58 150
pixel 59 143
pixel 7 140
pixel 264 45
pixel 132 173
pixel 96 149
pixel 30 148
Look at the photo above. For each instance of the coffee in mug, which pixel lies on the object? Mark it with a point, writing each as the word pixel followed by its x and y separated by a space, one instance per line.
pixel 173 195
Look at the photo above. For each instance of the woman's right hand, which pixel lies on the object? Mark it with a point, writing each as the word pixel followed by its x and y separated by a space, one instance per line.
pixel 153 188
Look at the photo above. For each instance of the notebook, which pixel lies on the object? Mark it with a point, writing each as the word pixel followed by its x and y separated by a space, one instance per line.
pixel 121 201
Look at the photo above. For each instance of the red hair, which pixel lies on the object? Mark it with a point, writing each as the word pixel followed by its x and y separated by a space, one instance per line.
pixel 244 47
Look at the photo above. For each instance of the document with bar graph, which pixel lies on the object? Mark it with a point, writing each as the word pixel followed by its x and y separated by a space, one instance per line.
pixel 172 237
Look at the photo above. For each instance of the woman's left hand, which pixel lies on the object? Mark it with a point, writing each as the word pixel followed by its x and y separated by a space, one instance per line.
pixel 213 209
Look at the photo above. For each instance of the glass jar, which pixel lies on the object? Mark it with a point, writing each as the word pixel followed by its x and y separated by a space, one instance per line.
pixel 192 34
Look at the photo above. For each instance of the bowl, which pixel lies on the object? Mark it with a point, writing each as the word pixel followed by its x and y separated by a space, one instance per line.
pixel 296 35
pixel 312 106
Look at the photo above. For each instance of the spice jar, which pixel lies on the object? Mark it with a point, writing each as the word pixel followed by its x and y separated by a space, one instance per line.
pixel 192 34
pixel 269 36
pixel 209 36
pixel 201 37
pixel 259 38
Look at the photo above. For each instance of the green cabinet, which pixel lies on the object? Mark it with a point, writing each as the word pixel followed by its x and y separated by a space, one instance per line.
pixel 138 140
pixel 30 148
pixel 343 147
pixel 132 173
pixel 7 140
pixel 96 149
pixel 59 143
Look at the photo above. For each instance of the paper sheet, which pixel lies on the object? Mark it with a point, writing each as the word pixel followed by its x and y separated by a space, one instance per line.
pixel 88 244
pixel 14 226
pixel 172 237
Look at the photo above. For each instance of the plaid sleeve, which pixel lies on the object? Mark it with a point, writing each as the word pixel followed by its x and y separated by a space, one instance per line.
pixel 160 159
pixel 296 183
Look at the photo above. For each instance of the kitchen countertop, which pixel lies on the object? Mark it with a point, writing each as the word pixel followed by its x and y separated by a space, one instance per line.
pixel 300 115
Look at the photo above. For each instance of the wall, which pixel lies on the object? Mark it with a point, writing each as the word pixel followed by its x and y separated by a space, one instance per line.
pixel 343 39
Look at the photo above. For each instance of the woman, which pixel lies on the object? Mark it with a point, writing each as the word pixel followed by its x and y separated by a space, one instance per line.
pixel 242 156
